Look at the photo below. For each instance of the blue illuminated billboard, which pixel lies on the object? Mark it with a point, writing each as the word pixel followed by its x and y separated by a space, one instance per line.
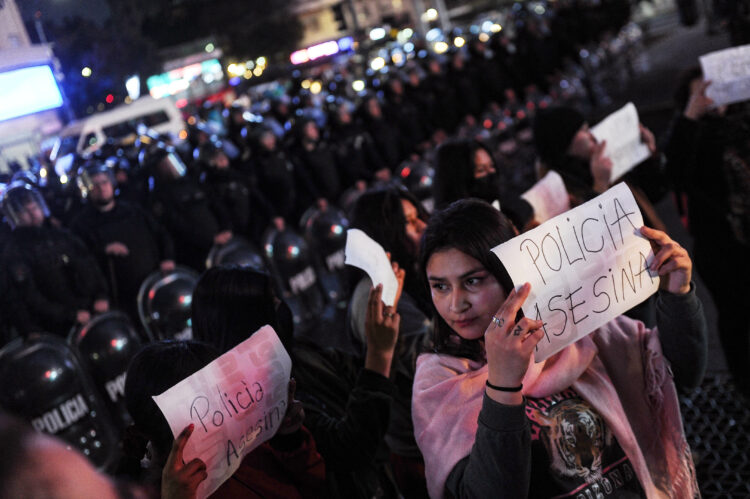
pixel 27 91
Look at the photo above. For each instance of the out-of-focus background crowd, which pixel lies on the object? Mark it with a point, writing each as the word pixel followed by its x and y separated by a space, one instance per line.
pixel 155 140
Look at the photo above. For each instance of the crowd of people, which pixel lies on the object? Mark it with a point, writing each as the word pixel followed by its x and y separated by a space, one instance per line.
pixel 436 395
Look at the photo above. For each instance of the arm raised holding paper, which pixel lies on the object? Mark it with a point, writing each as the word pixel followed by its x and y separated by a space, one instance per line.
pixel 382 326
pixel 683 332
pixel 486 414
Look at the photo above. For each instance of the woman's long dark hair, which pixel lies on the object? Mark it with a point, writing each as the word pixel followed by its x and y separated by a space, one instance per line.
pixel 473 227
pixel 380 215
pixel 230 303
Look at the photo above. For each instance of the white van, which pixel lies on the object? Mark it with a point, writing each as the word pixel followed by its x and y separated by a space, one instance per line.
pixel 89 134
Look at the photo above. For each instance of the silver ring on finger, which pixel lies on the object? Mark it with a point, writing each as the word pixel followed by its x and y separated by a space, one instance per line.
pixel 497 322
pixel 388 314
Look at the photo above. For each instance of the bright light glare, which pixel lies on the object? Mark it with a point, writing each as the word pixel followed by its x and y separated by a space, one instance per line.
pixel 441 47
pixel 459 42
pixel 316 87
pixel 433 34
pixel 209 47
pixel 404 35
pixel 305 84
pixel 358 85
pixel 28 90
pixel 86 72
pixel 483 37
pixel 377 34
pixel 431 14
pixel 496 28
pixel 377 64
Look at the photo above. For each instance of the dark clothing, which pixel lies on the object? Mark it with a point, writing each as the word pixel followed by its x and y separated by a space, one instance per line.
pixel 288 189
pixel 148 244
pixel 347 409
pixel 356 153
pixel 285 467
pixel 53 276
pixel 467 93
pixel 319 163
pixel 500 463
pixel 191 217
pixel 700 155
pixel 248 211
pixel 386 140
pixel 403 115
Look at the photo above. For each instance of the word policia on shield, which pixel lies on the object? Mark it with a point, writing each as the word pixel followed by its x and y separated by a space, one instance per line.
pixel 236 403
pixel 585 267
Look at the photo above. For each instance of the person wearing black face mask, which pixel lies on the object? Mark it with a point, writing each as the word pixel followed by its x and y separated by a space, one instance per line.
pixel 466 169
pixel 128 243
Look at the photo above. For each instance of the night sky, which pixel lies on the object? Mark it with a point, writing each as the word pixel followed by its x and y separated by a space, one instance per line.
pixel 95 10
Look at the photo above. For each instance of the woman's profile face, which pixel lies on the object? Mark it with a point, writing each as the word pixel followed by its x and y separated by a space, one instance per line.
pixel 465 294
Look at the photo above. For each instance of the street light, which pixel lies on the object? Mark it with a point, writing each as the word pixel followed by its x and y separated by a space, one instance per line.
pixel 430 15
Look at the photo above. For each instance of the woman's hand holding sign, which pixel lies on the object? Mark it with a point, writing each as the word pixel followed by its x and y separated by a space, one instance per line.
pixel 180 480
pixel 671 261
pixel 509 346
pixel 382 326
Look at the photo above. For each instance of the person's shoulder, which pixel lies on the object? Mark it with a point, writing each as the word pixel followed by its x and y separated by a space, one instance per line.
pixel 434 367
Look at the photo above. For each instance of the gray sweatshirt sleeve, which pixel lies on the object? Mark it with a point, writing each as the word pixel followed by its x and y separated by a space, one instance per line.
pixel 683 334
pixel 499 465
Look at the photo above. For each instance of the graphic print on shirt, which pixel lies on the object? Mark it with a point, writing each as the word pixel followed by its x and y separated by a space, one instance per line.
pixel 574 436
pixel 574 453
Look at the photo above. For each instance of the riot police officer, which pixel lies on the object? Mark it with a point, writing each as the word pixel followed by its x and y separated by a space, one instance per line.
pixel 128 243
pixel 195 221
pixel 56 281
pixel 248 210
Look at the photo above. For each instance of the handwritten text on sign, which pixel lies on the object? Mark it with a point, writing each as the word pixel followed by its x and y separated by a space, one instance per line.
pixel 729 72
pixel 585 267
pixel 236 403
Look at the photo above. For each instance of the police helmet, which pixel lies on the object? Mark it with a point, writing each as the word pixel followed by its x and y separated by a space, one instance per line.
pixel 16 199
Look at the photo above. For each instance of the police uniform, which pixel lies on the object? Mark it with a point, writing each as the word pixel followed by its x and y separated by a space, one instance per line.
pixel 53 276
pixel 148 245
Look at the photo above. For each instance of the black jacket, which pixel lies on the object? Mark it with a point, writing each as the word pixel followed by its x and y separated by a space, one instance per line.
pixel 347 409
pixel 147 242
pixel 53 276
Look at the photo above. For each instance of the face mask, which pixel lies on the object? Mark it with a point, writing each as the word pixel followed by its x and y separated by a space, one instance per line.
pixel 486 188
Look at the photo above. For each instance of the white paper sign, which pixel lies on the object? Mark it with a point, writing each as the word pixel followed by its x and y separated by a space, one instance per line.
pixel 365 253
pixel 548 197
pixel 729 72
pixel 624 146
pixel 236 403
pixel 585 267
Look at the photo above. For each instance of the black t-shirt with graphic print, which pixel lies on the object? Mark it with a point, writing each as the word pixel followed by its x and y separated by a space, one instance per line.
pixel 574 453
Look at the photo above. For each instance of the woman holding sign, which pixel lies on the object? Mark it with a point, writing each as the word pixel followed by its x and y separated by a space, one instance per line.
pixel 600 416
